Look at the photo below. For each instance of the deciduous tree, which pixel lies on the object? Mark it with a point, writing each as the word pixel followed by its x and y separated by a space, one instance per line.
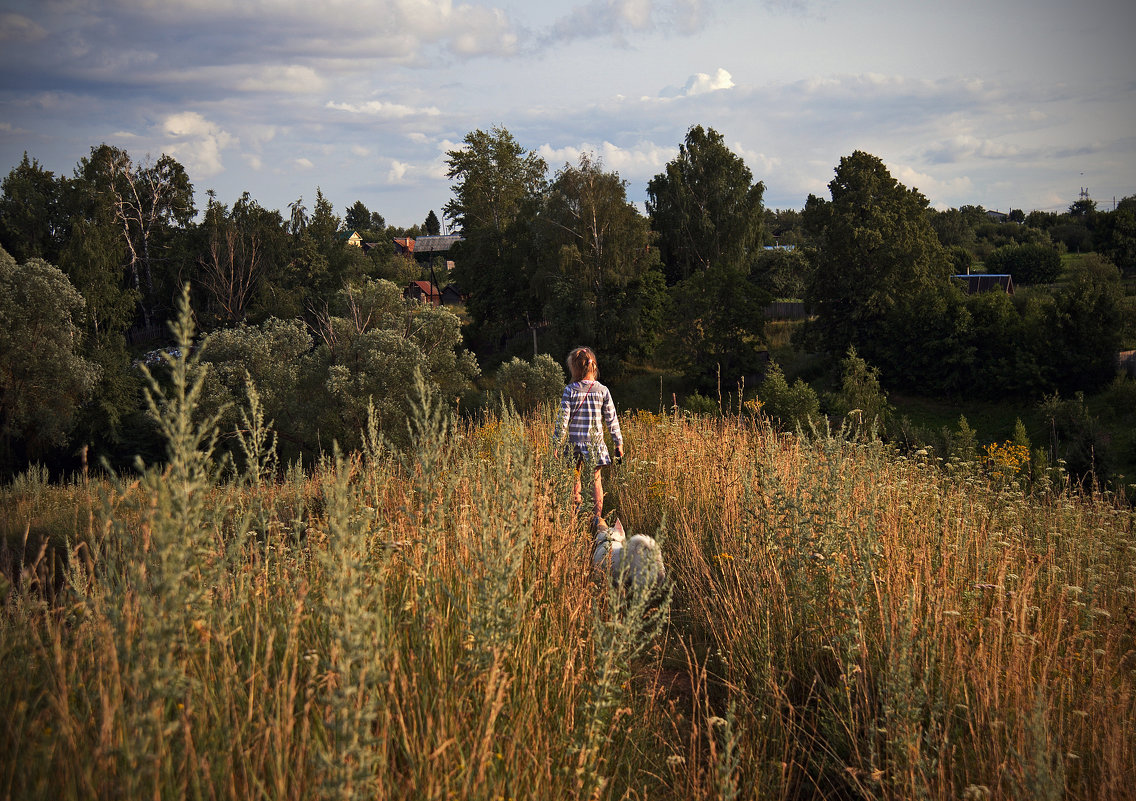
pixel 600 280
pixel 43 375
pixel 238 248
pixel 31 212
pixel 708 214
pixel 1118 239
pixel 496 186
pixel 148 200
pixel 705 207
pixel 874 251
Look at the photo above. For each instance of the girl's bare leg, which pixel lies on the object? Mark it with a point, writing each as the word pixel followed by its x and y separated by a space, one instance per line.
pixel 598 493
pixel 577 495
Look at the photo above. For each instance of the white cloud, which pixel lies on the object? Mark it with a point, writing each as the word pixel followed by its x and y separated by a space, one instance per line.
pixel 480 31
pixel 303 163
pixel 645 159
pixel 965 147
pixel 196 142
pixel 289 79
pixel 701 83
pixel 377 108
pixel 397 172
pixel 759 163
pixel 257 136
pixel 943 192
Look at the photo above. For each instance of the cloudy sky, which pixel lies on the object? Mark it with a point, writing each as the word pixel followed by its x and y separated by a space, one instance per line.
pixel 1007 103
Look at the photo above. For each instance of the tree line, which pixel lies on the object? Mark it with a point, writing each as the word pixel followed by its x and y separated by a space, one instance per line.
pixel 95 260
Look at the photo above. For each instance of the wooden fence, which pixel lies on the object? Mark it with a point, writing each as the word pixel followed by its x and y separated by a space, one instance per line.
pixel 141 335
pixel 786 310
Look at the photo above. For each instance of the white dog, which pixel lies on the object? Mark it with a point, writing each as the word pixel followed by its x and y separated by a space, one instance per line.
pixel 636 563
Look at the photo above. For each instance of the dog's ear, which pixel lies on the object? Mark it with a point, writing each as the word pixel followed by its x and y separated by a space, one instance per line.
pixel 619 526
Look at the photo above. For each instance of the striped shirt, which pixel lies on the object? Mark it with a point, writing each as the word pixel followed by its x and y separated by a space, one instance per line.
pixel 585 407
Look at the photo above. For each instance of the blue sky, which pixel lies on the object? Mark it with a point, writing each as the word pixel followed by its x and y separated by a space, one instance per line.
pixel 1018 103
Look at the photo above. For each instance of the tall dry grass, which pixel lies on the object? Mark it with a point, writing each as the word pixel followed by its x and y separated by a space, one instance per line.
pixel 844 623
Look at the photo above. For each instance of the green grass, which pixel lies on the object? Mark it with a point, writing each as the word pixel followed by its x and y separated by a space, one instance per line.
pixel 992 421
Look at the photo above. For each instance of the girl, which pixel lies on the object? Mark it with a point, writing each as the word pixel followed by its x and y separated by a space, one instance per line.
pixel 585 407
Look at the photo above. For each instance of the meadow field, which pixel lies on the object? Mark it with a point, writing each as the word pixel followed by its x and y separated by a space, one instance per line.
pixel 843 623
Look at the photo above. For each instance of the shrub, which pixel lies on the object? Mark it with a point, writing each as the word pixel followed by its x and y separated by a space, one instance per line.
pixel 529 383
pixel 789 406
pixel 1031 263
pixel 861 399
pixel 698 403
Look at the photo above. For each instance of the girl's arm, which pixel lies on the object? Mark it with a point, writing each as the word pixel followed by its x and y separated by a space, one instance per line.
pixel 560 434
pixel 612 423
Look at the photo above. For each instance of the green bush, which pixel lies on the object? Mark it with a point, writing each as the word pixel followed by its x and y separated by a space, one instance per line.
pixel 861 400
pixel 789 406
pixel 321 389
pixel 1030 263
pixel 698 403
pixel 529 383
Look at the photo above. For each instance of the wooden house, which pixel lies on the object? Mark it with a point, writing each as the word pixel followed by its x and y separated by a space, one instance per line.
pixel 430 246
pixel 452 296
pixel 424 292
pixel 351 238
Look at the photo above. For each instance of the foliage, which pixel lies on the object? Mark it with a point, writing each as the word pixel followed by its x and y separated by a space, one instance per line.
pixel 715 326
pixel 44 377
pixel 496 186
pixel 1027 263
pixel 150 203
pixel 599 279
pixel 1087 325
pixel 961 260
pixel 783 273
pixel 861 401
pixel 875 251
pixel 1118 239
pixel 708 215
pixel 705 207
pixel 361 219
pixel 953 228
pixel 697 403
pixel 240 249
pixel 1075 437
pixel 783 227
pixel 271 356
pixel 326 389
pixel 791 407
pixel 31 212
pixel 527 384
pixel 990 236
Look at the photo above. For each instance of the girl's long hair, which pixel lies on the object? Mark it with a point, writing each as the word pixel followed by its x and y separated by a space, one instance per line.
pixel 582 363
